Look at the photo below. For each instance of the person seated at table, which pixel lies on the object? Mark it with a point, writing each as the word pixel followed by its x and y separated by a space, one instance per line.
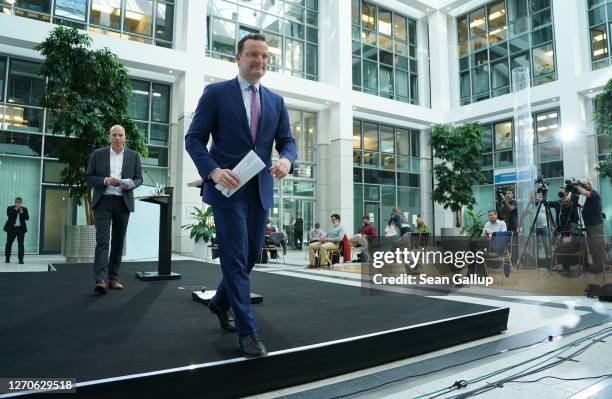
pixel 330 242
pixel 421 227
pixel 272 238
pixel 494 225
pixel 365 232
pixel 315 234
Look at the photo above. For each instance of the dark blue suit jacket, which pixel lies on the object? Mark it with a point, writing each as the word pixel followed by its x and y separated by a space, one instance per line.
pixel 221 113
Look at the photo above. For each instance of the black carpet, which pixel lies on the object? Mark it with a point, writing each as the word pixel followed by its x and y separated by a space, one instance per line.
pixel 53 325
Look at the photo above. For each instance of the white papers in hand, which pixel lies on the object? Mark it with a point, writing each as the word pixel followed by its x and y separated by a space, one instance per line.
pixel 128 182
pixel 248 167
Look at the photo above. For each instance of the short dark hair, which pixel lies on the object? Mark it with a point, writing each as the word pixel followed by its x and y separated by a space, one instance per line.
pixel 18 199
pixel 365 217
pixel 251 36
pixel 317 225
pixel 492 210
pixel 509 189
pixel 335 216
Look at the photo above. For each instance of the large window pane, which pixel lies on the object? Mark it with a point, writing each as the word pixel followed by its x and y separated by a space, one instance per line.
pixel 2 76
pixel 356 134
pixel 387 139
pixel 402 139
pixel 503 135
pixel 517 9
pixel 547 126
pixel 599 43
pixel 106 13
pixel 386 80
pixel 465 84
pixel 487 139
pixel 370 75
pixel 356 71
pixel 20 144
pixel 543 60
pixel 275 49
pixel 23 119
pixel 549 151
pixel 25 83
pixel 462 29
pixel 294 55
pixel 500 75
pixel 159 134
pixel 384 22
pixel 160 111
pixel 42 6
pixel 224 8
pixel 497 15
pixel 521 60
pixel 223 36
pixel 399 27
pixel 310 124
pixel 139 100
pixel 401 83
pixel 542 36
pixel 477 22
pixel 368 15
pixel 480 82
pixel 370 136
pixel 74 9
pixel 164 22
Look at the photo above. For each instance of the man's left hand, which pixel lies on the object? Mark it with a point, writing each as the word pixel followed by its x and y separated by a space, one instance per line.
pixel 281 168
pixel 125 187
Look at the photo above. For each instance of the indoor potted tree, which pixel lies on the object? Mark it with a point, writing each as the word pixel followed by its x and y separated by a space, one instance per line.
pixel 458 151
pixel 86 92
pixel 202 230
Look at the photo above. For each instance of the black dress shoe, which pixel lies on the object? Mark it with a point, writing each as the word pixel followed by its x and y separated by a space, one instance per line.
pixel 226 318
pixel 7 260
pixel 251 346
pixel 21 262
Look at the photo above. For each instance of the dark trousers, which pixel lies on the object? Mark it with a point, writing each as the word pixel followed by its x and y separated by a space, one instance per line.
pixel 298 238
pixel 15 232
pixel 597 247
pixel 240 236
pixel 109 210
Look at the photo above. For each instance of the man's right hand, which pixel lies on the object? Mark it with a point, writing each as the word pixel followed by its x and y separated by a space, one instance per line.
pixel 112 181
pixel 226 178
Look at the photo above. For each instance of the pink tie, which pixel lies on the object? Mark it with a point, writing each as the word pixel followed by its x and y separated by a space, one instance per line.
pixel 254 112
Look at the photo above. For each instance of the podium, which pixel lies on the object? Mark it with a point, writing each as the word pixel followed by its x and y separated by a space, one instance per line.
pixel 164 268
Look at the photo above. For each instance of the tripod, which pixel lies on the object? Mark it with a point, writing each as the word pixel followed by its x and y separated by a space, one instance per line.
pixel 548 214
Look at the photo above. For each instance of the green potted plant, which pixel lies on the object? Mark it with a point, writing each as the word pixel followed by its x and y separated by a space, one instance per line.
pixel 86 92
pixel 475 223
pixel 458 151
pixel 202 230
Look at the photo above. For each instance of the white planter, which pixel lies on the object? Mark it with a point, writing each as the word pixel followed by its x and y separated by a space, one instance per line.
pixel 79 243
pixel 200 249
pixel 450 231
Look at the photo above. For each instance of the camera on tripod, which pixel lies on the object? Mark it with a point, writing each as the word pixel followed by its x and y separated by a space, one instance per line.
pixel 543 188
pixel 571 185
pixel 500 193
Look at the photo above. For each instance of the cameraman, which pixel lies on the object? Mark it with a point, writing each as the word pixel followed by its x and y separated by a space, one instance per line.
pixel 593 221
pixel 509 215
pixel 562 207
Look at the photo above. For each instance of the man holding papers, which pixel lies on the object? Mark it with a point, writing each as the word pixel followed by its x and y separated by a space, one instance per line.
pixel 113 173
pixel 245 121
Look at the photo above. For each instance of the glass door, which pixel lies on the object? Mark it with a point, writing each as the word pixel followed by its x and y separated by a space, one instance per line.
pixel 55 207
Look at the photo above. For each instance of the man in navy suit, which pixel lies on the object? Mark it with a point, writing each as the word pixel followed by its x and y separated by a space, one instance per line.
pixel 241 115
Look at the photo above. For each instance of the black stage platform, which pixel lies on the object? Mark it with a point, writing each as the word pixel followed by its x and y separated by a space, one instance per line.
pixel 152 340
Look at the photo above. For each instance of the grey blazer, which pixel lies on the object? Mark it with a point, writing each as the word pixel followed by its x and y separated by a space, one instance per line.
pixel 99 169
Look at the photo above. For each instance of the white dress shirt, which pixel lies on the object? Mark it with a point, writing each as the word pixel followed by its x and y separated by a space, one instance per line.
pixel 116 164
pixel 490 228
pixel 18 219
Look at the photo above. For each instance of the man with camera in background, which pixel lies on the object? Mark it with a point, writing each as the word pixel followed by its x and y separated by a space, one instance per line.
pixel 565 214
pixel 593 222
pixel 508 213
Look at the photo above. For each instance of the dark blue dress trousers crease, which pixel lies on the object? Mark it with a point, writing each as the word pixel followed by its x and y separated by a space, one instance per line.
pixel 241 229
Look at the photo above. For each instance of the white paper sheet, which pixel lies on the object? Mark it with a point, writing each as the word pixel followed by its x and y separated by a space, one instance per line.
pixel 248 167
pixel 128 182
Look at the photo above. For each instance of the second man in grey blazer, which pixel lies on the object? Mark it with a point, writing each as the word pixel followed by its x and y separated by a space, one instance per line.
pixel 112 202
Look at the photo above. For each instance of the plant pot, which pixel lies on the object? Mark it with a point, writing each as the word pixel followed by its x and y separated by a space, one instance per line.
pixel 79 243
pixel 200 249
pixel 450 231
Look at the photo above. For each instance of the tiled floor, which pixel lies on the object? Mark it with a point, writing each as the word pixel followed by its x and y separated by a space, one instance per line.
pixel 526 314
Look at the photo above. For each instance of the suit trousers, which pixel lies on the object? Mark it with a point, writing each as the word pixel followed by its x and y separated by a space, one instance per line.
pixel 240 236
pixel 109 210
pixel 15 232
